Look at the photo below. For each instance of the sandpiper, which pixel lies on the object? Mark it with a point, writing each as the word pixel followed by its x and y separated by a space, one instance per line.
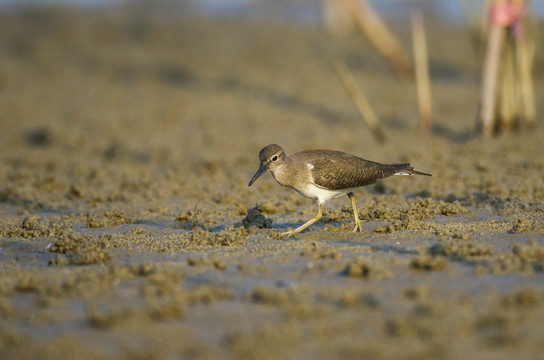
pixel 325 175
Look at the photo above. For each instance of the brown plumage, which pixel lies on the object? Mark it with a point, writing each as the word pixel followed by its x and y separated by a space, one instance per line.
pixel 325 174
pixel 337 170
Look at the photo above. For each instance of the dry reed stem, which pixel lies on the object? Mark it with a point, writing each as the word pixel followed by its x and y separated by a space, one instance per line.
pixel 423 82
pixel 508 109
pixel 508 63
pixel 380 36
pixel 489 80
pixel 360 101
pixel 525 55
pixel 337 18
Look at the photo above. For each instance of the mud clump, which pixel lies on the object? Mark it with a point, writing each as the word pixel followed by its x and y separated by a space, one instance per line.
pixel 359 300
pixel 70 242
pixel 75 192
pixel 362 269
pixel 274 342
pixel 195 218
pixel 522 299
pixel 88 257
pixel 459 250
pixel 496 329
pixel 218 264
pixel 316 253
pixel 255 217
pixel 110 218
pixel 529 253
pixel 410 215
pixel 208 294
pixel 230 236
pixel 107 317
pixel 27 283
pixel 143 269
pixel 161 285
pixel 418 293
pixel 6 311
pixel 80 249
pixel 416 210
pixel 39 137
pixel 400 225
pixel 278 295
pixel 428 263
pixel 523 258
pixel 30 222
pixel 35 226
pixel 410 326
pixel 522 225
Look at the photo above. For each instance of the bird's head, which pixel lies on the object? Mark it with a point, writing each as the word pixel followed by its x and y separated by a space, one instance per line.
pixel 271 157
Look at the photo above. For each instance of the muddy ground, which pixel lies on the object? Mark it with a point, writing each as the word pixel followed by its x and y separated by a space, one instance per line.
pixel 127 142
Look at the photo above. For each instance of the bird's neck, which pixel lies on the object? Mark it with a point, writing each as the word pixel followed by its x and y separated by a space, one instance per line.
pixel 285 174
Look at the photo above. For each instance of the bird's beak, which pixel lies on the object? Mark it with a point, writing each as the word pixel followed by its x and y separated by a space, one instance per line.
pixel 262 170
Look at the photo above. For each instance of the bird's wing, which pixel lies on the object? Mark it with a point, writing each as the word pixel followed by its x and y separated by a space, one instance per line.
pixel 337 170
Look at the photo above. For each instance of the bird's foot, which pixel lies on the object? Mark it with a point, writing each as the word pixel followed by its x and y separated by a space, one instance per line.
pixel 357 227
pixel 289 233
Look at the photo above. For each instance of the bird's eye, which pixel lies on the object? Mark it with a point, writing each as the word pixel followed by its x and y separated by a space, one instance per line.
pixel 275 157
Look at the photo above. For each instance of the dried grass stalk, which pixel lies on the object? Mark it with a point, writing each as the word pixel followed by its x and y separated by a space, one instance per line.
pixel 380 36
pixel 507 95
pixel 489 80
pixel 360 101
pixel 423 82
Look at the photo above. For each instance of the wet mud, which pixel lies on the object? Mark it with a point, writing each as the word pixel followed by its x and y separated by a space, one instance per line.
pixel 127 229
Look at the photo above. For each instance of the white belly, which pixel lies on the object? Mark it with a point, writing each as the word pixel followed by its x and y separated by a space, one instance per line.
pixel 320 194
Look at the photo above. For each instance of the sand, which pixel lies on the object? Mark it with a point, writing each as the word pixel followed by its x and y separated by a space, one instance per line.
pixel 126 146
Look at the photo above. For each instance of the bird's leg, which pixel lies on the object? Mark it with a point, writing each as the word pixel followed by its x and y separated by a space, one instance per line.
pixel 306 224
pixel 357 226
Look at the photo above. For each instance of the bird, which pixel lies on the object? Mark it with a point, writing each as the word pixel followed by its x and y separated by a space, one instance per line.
pixel 324 175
